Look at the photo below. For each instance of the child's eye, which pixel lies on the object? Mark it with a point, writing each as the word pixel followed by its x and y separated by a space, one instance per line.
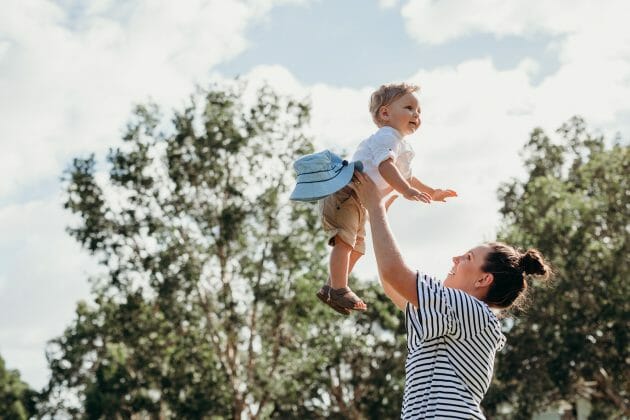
pixel 468 256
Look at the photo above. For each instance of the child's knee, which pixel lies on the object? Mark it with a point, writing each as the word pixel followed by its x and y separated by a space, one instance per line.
pixel 340 244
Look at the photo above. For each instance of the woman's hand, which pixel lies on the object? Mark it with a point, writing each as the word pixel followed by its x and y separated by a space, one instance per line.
pixel 367 192
pixel 390 200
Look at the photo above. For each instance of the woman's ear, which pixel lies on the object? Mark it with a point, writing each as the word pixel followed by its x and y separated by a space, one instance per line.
pixel 485 281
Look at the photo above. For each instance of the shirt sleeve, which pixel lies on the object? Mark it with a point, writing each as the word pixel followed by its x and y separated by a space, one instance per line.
pixel 434 315
pixel 471 315
pixel 384 146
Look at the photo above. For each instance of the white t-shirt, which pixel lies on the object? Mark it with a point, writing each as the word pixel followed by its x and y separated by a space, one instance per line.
pixel 452 339
pixel 386 143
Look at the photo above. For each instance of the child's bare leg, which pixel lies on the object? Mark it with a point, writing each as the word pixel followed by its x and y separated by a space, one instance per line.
pixel 342 261
pixel 339 263
pixel 354 257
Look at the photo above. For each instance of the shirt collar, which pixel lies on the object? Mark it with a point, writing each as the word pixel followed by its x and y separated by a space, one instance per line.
pixel 392 130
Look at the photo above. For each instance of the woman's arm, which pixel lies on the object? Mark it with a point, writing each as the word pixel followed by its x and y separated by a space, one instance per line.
pixel 393 295
pixel 392 268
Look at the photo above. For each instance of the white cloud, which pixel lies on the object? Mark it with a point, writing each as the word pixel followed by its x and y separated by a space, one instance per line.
pixel 489 113
pixel 387 4
pixel 435 22
pixel 591 40
pixel 69 82
pixel 277 76
pixel 339 116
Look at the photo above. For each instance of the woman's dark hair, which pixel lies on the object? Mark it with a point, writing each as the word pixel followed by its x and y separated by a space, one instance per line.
pixel 509 268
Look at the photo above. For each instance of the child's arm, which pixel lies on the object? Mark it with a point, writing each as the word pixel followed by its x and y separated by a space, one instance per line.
pixel 390 173
pixel 415 182
pixel 436 194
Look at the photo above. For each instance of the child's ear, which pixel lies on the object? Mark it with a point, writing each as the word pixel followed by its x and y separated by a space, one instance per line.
pixel 383 113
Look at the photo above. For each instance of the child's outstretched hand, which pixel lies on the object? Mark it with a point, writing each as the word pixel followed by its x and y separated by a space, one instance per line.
pixel 416 195
pixel 441 195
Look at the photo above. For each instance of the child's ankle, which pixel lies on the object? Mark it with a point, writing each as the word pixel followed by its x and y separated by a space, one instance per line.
pixel 338 285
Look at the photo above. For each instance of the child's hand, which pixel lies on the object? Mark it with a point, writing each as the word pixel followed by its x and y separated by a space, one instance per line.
pixel 415 195
pixel 440 195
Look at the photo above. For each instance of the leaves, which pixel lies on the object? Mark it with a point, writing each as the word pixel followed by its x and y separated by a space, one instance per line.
pixel 17 400
pixel 574 209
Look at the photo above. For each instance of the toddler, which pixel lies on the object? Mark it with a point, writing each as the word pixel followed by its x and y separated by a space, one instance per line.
pixel 386 158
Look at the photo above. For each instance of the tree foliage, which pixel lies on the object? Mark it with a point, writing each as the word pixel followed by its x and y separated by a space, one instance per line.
pixel 17 400
pixel 206 307
pixel 573 339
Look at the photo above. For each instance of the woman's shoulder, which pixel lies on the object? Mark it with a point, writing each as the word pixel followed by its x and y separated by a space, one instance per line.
pixel 463 302
pixel 429 280
pixel 465 307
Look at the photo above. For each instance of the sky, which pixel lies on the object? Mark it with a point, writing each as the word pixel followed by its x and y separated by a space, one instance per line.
pixel 490 71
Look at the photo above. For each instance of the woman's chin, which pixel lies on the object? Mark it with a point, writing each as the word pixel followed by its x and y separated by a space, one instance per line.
pixel 448 280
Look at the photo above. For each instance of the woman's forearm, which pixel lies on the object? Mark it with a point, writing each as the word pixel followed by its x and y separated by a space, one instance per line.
pixel 391 266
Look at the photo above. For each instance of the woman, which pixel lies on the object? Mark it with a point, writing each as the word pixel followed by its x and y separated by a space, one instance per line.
pixel 452 333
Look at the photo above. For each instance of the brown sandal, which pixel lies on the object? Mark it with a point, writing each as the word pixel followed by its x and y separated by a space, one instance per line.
pixel 324 295
pixel 346 299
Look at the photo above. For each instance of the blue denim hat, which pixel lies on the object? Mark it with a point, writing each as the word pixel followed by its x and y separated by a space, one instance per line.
pixel 321 174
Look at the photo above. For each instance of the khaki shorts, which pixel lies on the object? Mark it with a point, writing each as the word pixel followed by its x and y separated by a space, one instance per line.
pixel 343 216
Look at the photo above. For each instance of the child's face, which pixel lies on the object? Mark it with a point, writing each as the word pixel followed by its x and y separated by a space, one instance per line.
pixel 403 114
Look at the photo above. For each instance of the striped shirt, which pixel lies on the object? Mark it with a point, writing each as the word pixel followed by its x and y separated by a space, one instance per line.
pixel 452 339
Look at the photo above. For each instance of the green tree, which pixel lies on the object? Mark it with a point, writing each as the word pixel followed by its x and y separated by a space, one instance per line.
pixel 573 339
pixel 17 399
pixel 206 308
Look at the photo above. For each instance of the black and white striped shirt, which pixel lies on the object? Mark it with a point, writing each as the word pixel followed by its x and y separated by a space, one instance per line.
pixel 452 339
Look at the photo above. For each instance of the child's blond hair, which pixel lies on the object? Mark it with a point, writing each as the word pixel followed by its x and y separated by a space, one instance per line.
pixel 386 94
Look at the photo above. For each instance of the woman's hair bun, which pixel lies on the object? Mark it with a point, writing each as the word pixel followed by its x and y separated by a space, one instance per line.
pixel 533 263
